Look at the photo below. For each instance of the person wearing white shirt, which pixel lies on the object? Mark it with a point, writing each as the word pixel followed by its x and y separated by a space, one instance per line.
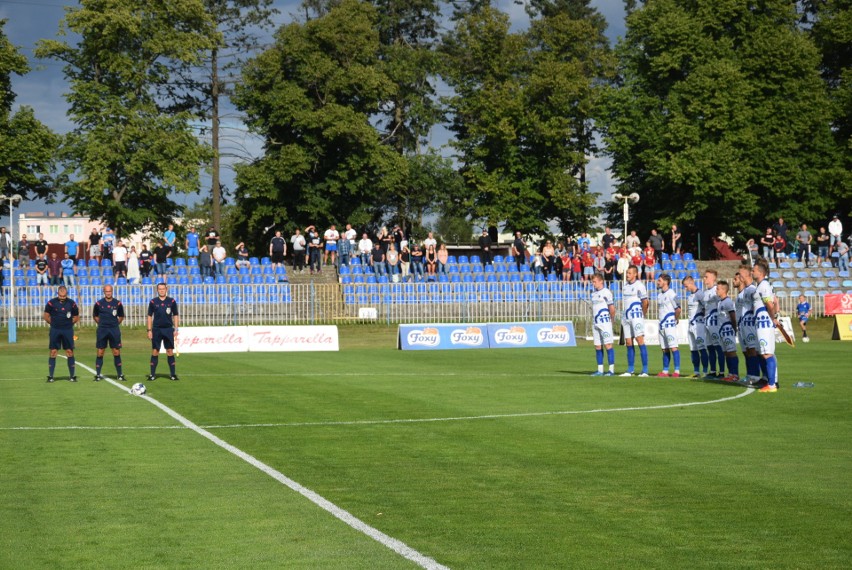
pixel 331 236
pixel 132 266
pixel 219 256
pixel 669 313
pixel 603 313
pixel 766 321
pixel 835 230
pixel 635 297
pixel 430 240
pixel 697 333
pixel 351 235
pixel 119 258
pixel 365 248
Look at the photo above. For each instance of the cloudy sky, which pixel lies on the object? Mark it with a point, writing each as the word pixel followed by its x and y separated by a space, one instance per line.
pixel 43 88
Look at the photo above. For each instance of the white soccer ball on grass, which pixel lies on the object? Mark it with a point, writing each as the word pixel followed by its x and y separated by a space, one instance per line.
pixel 138 389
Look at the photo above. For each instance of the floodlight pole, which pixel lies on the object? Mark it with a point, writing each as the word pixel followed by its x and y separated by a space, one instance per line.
pixel 13 322
pixel 627 199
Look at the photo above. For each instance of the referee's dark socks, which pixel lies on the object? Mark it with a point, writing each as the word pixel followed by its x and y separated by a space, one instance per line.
pixel 117 361
pixel 171 360
pixel 51 365
pixel 99 363
pixel 71 365
pixel 154 360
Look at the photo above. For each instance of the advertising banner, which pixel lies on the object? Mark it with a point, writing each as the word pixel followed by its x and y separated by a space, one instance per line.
pixel 838 304
pixel 196 340
pixel 532 335
pixel 442 337
pixel 842 327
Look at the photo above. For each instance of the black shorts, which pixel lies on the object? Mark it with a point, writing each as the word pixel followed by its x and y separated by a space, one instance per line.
pixel 61 339
pixel 108 336
pixel 120 267
pixel 277 257
pixel 166 337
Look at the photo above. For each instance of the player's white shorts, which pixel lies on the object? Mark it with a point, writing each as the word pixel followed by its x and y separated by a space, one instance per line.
pixel 633 327
pixel 748 337
pixel 668 334
pixel 697 334
pixel 765 332
pixel 728 338
pixel 602 333
pixel 711 324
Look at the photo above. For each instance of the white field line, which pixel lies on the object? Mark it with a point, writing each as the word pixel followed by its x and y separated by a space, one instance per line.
pixel 396 421
pixel 393 544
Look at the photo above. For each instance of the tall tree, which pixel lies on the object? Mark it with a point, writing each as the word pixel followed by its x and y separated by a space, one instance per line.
pixel 720 120
pixel 133 145
pixel 26 145
pixel 312 96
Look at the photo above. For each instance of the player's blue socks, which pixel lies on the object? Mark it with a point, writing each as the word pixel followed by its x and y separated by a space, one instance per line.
pixel 117 361
pixel 631 357
pixel 720 356
pixel 71 365
pixel 171 360
pixel 51 366
pixel 154 361
pixel 696 361
pixel 666 359
pixel 711 354
pixel 643 354
pixel 705 358
pixel 764 369
pixel 733 365
pixel 99 363
pixel 753 366
pixel 676 358
pixel 772 370
pixel 599 356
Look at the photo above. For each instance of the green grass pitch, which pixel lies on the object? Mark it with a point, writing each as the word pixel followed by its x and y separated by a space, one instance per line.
pixel 760 481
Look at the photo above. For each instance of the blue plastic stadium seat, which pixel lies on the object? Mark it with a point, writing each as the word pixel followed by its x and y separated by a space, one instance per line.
pixel 180 262
pixel 230 261
pixel 192 261
pixel 463 259
pixel 93 263
pixel 475 259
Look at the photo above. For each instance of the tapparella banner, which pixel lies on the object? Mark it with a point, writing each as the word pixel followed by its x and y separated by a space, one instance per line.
pixel 191 340
pixel 486 335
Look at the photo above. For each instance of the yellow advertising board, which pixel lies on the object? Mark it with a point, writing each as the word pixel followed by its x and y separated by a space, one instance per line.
pixel 842 327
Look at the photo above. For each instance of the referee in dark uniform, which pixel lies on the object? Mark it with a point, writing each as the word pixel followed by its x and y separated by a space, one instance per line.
pixel 62 314
pixel 109 314
pixel 162 326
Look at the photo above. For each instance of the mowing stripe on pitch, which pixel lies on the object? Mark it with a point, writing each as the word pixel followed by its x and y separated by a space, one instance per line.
pixel 388 541
pixel 403 420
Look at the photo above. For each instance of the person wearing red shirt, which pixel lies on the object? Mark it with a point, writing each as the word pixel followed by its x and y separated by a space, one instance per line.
pixel 588 261
pixel 650 260
pixel 576 267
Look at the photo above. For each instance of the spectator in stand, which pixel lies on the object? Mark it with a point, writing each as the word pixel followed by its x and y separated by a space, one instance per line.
pixel 584 242
pixel 779 248
pixel 607 239
pixel 649 261
pixel 383 237
pixel 566 260
pixel 835 231
pixel 780 228
pixel 132 266
pixel 656 241
pixel 243 254
pixel 753 251
pixel 378 259
pixel 212 237
pixel 277 249
pixel 41 247
pixel 609 267
pixel 95 245
pixel 536 263
pixel 576 267
pixel 443 260
pixel 768 243
pixel 344 251
pixel 162 253
pixel 314 249
pixel 68 277
pixel 365 249
pixel 108 240
pixel 42 272
pixel 405 262
pixel 398 237
pixel 145 262
pixel 72 247
pixel 600 261
pixel 205 261
pixel 842 256
pixel 417 263
pixel 5 246
pixel 392 260
pixel 297 240
pixel 519 250
pixel 636 259
pixel 548 258
pixel 119 257
pixel 677 240
pixel 588 261
pixel 331 238
pixel 632 241
pixel 220 255
pixel 485 245
pixel 804 239
pixel 170 237
pixel 429 241
pixel 351 235
pixel 623 265
pixel 54 267
pixel 192 242
pixel 23 252
pixel 431 260
pixel 822 241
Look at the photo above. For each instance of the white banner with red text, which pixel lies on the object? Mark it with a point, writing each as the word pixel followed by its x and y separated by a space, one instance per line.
pixel 192 340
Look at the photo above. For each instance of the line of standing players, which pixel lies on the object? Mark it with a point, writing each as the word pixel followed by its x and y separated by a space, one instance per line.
pixel 716 320
pixel 62 313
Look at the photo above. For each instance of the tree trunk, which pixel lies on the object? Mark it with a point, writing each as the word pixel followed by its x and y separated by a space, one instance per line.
pixel 215 190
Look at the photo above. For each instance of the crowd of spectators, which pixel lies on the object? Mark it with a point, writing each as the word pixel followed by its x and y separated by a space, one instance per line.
pixel 812 250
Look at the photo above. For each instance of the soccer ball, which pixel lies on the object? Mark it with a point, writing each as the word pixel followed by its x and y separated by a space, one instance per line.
pixel 138 389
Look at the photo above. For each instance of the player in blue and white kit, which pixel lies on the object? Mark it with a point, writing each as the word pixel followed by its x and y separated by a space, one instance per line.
pixel 669 312
pixel 162 327
pixel 728 331
pixel 697 332
pixel 61 313
pixel 603 312
pixel 109 314
pixel 803 310
pixel 711 323
pixel 765 311
pixel 745 323
pixel 635 297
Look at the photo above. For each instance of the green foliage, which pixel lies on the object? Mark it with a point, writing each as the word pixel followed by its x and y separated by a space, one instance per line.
pixel 132 146
pixel 719 119
pixel 26 145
